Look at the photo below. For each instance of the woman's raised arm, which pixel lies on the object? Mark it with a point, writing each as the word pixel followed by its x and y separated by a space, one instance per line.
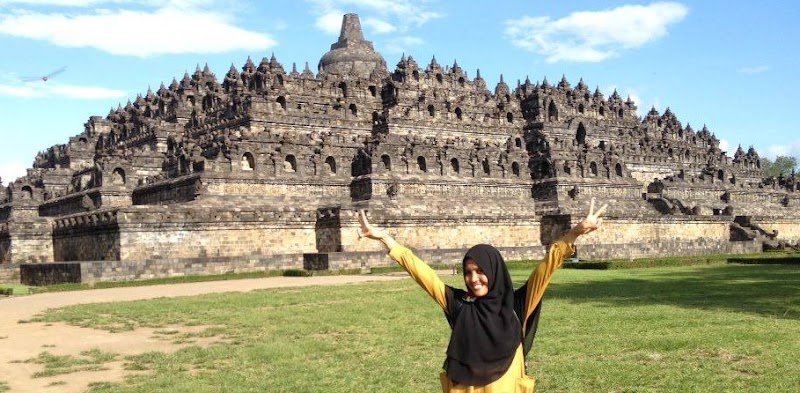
pixel 370 232
pixel 416 268
pixel 540 277
pixel 588 224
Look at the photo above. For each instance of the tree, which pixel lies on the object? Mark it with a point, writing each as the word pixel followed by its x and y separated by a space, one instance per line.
pixel 783 165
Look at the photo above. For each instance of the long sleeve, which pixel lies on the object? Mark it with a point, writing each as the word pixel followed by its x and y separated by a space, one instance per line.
pixel 421 273
pixel 540 277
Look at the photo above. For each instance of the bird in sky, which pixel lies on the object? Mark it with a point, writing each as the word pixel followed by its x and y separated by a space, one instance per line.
pixel 44 78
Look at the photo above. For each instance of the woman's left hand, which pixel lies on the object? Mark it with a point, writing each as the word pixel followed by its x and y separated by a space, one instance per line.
pixel 589 224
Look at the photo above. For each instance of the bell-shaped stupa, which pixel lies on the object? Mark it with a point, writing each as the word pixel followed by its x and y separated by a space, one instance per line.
pixel 351 54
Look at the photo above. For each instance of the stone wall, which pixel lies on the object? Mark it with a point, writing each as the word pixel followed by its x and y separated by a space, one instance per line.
pixel 136 270
pixel 150 232
pixel 214 240
pixel 646 173
pixel 84 201
pixel 69 204
pixel 617 239
pixel 96 245
pixel 448 256
pixel 329 230
pixel 50 273
pixel 9 272
pixel 453 256
pixel 29 249
pixel 95 271
pixel 168 191
pixel 90 236
pixel 26 241
pixel 5 249
pixel 280 188
pixel 431 234
pixel 788 229
pixel 203 233
pixel 680 228
pixel 668 236
pixel 666 248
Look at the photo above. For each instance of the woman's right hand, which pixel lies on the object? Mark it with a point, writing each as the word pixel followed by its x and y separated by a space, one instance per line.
pixel 367 230
pixel 370 232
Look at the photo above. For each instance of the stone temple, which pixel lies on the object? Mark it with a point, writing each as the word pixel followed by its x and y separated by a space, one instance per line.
pixel 264 169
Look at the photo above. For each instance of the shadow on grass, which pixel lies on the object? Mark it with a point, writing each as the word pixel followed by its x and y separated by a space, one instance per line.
pixel 765 290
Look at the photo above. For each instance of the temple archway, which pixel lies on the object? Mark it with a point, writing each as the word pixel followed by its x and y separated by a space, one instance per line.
pixel 580 135
pixel 290 164
pixel 421 164
pixel 552 111
pixel 330 163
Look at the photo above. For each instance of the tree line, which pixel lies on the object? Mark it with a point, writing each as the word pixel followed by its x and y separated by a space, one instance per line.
pixel 780 166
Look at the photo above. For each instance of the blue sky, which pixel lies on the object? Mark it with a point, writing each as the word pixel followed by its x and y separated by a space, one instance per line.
pixel 730 65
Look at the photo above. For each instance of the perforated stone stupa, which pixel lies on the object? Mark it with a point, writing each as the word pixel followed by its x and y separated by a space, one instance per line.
pixel 264 169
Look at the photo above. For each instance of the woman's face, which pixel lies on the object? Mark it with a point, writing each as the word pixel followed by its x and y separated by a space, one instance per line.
pixel 475 279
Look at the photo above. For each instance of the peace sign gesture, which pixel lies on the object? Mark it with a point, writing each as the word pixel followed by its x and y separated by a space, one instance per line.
pixel 588 224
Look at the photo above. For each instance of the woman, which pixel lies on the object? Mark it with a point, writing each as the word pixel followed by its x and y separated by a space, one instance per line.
pixel 485 353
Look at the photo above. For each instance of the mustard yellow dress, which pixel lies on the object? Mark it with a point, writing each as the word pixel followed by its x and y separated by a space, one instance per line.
pixel 514 380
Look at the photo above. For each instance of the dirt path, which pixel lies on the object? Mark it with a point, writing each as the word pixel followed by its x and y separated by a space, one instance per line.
pixel 23 341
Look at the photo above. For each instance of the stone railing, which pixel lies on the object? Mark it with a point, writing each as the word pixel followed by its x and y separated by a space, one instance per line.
pixel 181 189
pixel 85 222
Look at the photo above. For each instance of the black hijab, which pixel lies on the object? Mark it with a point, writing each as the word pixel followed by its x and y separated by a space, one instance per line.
pixel 486 332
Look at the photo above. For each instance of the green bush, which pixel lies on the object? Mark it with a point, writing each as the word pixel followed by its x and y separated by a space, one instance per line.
pixel 397 268
pixel 794 260
pixel 296 273
pixel 786 258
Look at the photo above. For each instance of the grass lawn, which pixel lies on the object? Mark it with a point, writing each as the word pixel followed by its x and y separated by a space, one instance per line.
pixel 14 289
pixel 720 328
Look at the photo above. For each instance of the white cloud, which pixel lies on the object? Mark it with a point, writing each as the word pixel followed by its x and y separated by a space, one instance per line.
pixel 19 91
pixel 637 100
pixel 279 25
pixel 725 146
pixel 57 3
pixel 594 36
pixel 403 44
pixel 85 92
pixel 643 103
pixel 753 70
pixel 183 4
pixel 109 31
pixel 379 26
pixel 382 16
pixel 407 11
pixel 50 89
pixel 10 171
pixel 791 149
pixel 330 23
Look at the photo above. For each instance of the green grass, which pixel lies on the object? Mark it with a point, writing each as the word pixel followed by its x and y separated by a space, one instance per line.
pixel 92 360
pixel 717 328
pixel 4 387
pixel 9 289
